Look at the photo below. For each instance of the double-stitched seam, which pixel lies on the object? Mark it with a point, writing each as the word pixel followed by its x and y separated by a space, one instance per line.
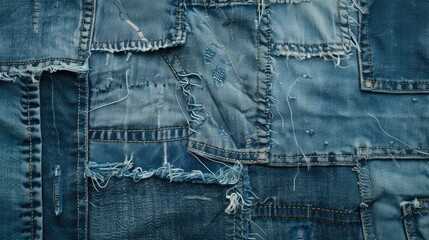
pixel 86 154
pixel 78 157
pixel 309 45
pixel 324 164
pixel 268 83
pixel 309 208
pixel 213 3
pixel 30 160
pixel 241 210
pixel 316 156
pixel 395 90
pixel 307 218
pixel 139 141
pixel 396 83
pixel 223 150
pixel 178 61
pixel 138 130
pixel 258 40
pixel 225 158
pixel 367 38
pixel 170 65
pixel 41 60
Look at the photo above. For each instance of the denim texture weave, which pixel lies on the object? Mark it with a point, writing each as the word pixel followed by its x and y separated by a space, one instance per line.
pixel 214 119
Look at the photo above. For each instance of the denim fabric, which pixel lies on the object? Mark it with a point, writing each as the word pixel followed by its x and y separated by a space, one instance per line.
pixel 214 119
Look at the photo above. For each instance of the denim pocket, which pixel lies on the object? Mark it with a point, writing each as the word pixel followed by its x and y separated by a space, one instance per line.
pixel 309 28
pixel 139 25
pixel 394 46
pixel 416 218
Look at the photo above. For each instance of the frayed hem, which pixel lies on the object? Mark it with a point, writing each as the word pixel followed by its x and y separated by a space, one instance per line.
pixel 102 173
pixel 32 71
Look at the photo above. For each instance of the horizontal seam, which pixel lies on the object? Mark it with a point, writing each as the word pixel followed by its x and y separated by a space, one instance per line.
pixel 394 90
pixel 309 208
pixel 41 60
pixel 325 164
pixel 223 150
pixel 308 218
pixel 137 41
pixel 310 45
pixel 225 158
pixel 137 130
pixel 138 141
pixel 394 155
pixel 315 156
pixel 392 82
pixel 392 147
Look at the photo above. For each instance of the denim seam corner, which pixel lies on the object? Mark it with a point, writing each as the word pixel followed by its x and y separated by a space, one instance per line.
pixel 367 81
pixel 321 49
pixel 140 45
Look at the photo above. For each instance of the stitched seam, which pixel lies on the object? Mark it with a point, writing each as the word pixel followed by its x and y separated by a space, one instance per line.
pixel 183 21
pixel 223 150
pixel 241 210
pixel 257 79
pixel 138 130
pixel 392 147
pixel 269 83
pixel 394 90
pixel 173 40
pixel 309 218
pixel 139 141
pixel 176 34
pixel 395 83
pixel 397 155
pixel 178 61
pixel 82 24
pixel 225 158
pixel 30 165
pixel 42 60
pixel 86 155
pixel 316 156
pixel 233 233
pixel 310 45
pixel 309 208
pixel 78 158
pixel 367 38
pixel 325 164
pixel 170 65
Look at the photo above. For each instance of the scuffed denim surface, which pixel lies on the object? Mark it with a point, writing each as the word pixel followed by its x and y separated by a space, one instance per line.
pixel 214 119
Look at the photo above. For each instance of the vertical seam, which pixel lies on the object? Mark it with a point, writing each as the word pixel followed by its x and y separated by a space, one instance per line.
pixel 268 76
pixel 241 210
pixel 78 157
pixel 86 155
pixel 258 43
pixel 176 35
pixel 30 165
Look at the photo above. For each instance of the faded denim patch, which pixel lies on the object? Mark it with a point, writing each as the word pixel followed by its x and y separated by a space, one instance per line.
pixel 139 25
pixel 305 29
pixel 394 41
